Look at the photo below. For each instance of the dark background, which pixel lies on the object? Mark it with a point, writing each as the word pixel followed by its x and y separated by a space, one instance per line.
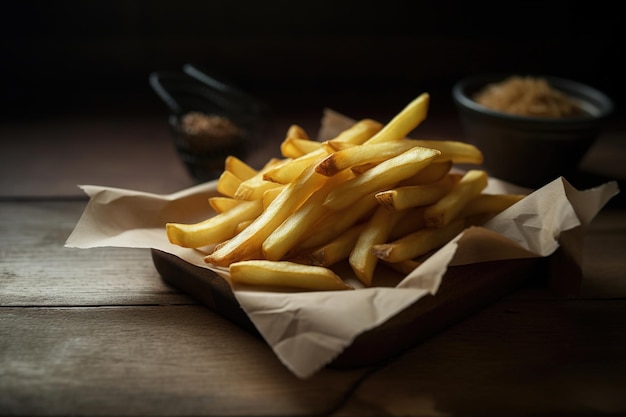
pixel 75 57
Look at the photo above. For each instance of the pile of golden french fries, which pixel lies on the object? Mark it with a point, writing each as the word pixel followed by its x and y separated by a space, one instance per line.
pixel 370 195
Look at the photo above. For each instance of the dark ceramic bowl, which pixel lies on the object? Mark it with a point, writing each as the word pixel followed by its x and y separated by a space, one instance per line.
pixel 531 151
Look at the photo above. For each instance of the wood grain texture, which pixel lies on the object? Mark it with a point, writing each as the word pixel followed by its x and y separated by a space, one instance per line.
pixel 37 270
pixel 149 360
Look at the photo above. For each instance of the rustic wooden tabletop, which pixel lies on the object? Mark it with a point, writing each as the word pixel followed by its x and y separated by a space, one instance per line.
pixel 98 332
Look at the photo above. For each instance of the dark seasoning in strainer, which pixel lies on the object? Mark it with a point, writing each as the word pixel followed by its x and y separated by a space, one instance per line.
pixel 210 119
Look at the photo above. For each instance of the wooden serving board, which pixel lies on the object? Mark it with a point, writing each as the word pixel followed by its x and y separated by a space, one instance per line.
pixel 465 289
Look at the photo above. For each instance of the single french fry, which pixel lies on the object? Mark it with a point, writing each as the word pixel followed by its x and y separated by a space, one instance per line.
pixel 214 229
pixel 228 183
pixel 404 267
pixel 359 155
pixel 249 241
pixel 296 147
pixel 288 170
pixel 418 243
pixel 402 198
pixel 404 122
pixel 358 133
pixel 435 171
pixel 243 225
pixel 286 275
pixel 337 249
pixel 359 169
pixel 383 176
pixel 362 260
pixel 412 221
pixel 270 195
pixel 252 253
pixel 289 150
pixel 221 204
pixel 456 151
pixel 297 131
pixel 238 167
pixel 449 206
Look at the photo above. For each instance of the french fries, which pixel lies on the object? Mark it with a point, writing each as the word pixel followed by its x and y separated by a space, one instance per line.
pixel 419 242
pixel 369 196
pixel 337 222
pixel 254 187
pixel 359 155
pixel 362 259
pixel 288 170
pixel 384 175
pixel 291 231
pixel 246 244
pixel 450 205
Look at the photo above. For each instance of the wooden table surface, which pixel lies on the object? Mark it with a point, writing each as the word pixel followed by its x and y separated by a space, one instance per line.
pixel 98 332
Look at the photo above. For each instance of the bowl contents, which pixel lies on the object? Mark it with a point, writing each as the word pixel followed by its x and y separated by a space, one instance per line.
pixel 203 141
pixel 528 96
pixel 209 130
pixel 369 196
